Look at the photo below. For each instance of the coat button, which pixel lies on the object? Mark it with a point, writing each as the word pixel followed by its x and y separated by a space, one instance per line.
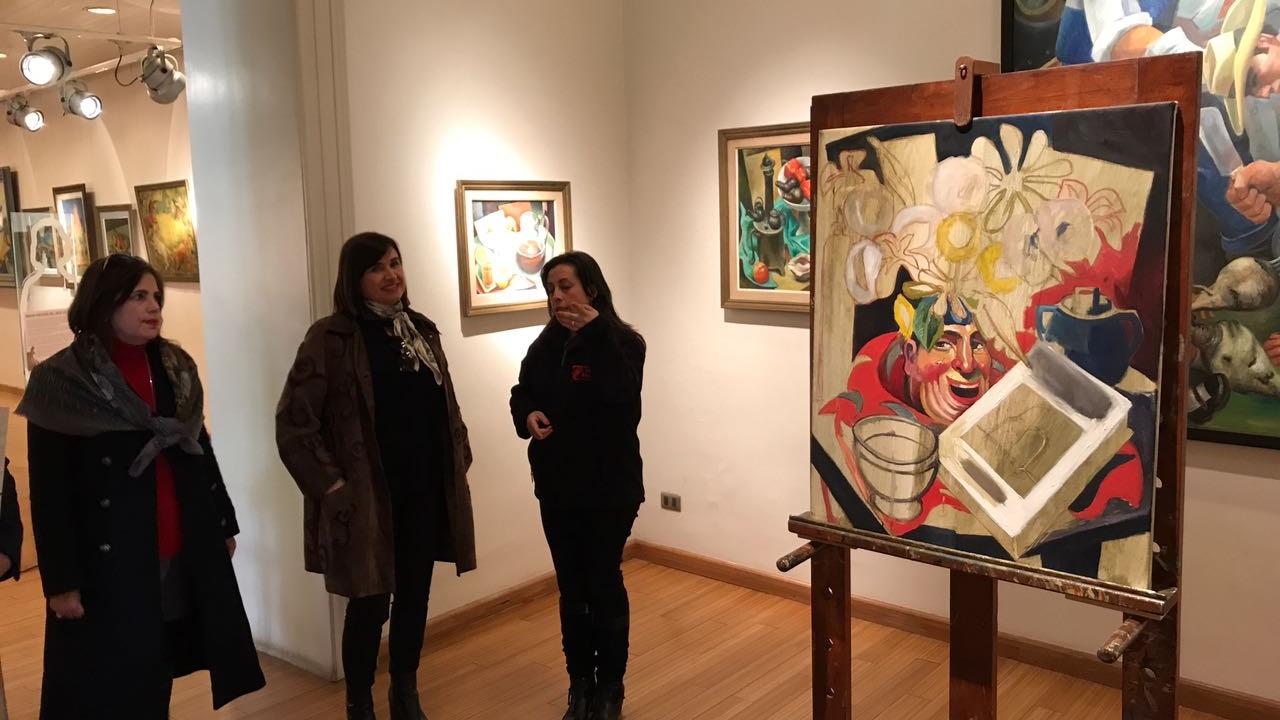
pixel 224 522
pixel 104 503
pixel 213 487
pixel 105 548
pixel 106 461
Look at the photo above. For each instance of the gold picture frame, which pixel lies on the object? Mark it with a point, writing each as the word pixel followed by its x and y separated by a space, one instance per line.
pixel 507 231
pixel 780 274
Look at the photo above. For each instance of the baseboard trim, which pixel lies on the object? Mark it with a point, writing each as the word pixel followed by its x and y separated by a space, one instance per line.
pixel 1191 694
pixel 449 625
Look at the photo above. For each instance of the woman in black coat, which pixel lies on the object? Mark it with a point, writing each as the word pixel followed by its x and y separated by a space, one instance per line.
pixel 133 526
pixel 10 530
pixel 579 400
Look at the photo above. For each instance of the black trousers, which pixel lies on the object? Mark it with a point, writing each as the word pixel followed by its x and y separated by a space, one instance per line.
pixel 415 529
pixel 595 614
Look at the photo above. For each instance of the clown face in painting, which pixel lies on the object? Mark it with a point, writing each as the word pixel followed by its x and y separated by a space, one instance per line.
pixel 947 364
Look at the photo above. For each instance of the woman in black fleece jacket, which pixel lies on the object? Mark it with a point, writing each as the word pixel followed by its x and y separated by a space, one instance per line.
pixel 578 400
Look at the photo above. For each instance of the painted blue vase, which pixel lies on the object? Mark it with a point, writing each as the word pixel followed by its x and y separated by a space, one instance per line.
pixel 1092 332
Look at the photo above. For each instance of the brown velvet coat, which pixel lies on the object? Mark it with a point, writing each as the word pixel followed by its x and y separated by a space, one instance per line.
pixel 325 433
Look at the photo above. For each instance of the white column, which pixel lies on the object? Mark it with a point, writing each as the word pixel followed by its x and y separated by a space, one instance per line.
pixel 243 98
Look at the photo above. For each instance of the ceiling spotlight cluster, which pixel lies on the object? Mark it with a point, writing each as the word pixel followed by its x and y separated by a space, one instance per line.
pixel 47 62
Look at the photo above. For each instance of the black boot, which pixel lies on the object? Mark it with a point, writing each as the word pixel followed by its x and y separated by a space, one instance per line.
pixel 606 704
pixel 404 697
pixel 580 692
pixel 360 710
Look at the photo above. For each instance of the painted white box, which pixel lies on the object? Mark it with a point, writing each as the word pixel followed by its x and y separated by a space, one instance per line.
pixel 1028 447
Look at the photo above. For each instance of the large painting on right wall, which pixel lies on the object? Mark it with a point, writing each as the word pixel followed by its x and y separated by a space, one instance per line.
pixel 1235 333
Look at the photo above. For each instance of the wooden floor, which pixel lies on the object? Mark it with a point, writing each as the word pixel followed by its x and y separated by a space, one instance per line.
pixel 701 650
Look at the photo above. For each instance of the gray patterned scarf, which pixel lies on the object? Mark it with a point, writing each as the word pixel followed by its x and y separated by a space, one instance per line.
pixel 413 347
pixel 81 392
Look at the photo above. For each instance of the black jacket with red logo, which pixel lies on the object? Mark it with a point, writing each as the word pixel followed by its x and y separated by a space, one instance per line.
pixel 588 386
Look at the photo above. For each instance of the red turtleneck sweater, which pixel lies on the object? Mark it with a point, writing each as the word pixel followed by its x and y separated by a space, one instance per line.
pixel 133 363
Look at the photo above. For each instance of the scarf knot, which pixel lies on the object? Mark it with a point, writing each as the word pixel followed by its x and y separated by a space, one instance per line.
pixel 414 347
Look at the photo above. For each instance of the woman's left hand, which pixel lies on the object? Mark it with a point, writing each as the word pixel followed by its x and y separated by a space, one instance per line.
pixel 576 316
pixel 231 546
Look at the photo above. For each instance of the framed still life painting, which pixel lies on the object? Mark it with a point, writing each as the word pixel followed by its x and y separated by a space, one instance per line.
pixel 117 228
pixel 168 230
pixel 72 204
pixel 10 253
pixel 507 231
pixel 1235 297
pixel 764 217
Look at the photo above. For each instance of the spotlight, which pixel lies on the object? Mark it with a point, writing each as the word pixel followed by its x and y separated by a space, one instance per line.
pixel 161 75
pixel 23 115
pixel 77 100
pixel 46 65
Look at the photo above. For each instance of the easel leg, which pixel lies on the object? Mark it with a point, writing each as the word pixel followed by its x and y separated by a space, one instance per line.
pixel 973 647
pixel 832 659
pixel 1151 672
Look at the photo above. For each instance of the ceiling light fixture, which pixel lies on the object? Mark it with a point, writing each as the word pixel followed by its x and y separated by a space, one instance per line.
pixel 161 75
pixel 46 65
pixel 77 100
pixel 23 115
pixel 100 10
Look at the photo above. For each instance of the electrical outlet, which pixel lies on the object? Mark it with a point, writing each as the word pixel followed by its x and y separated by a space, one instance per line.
pixel 671 501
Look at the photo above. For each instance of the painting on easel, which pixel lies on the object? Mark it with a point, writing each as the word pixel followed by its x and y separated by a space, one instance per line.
pixel 988 316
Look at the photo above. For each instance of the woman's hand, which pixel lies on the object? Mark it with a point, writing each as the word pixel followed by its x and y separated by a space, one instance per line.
pixel 336 487
pixel 538 424
pixel 66 606
pixel 575 316
pixel 231 547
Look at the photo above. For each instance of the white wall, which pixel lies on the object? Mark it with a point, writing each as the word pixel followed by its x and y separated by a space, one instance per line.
pixel 446 91
pixel 726 392
pixel 135 142
pixel 242 93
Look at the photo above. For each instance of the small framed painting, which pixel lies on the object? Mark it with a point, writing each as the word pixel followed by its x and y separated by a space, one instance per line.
pixel 168 230
pixel 117 228
pixel 10 253
pixel 72 204
pixel 764 217
pixel 39 242
pixel 507 231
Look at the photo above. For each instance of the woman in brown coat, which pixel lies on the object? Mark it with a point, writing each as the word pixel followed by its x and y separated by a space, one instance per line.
pixel 370 429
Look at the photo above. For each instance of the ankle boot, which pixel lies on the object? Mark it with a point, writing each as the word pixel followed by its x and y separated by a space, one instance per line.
pixel 580 691
pixel 360 710
pixel 606 703
pixel 403 697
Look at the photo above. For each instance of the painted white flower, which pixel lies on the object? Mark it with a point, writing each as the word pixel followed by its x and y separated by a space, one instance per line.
pixel 1029 177
pixel 1037 246
pixel 959 185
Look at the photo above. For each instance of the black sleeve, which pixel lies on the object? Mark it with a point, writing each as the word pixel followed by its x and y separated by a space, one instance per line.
pixel 524 393
pixel 619 371
pixel 53 520
pixel 10 526
pixel 221 499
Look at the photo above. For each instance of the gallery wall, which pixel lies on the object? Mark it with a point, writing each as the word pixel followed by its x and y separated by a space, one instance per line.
pixel 726 392
pixel 135 142
pixel 489 95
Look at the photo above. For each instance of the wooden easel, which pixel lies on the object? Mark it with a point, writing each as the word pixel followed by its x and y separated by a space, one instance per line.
pixel 1148 637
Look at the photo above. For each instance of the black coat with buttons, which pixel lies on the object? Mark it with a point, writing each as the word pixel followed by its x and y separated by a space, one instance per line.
pixel 95 531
